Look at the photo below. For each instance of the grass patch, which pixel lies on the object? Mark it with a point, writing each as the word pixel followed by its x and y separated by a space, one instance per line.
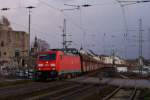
pixel 144 94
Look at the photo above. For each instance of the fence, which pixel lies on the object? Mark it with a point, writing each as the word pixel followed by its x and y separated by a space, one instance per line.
pixel 11 72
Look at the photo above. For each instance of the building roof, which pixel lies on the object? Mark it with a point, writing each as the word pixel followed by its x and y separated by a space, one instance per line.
pixel 4 23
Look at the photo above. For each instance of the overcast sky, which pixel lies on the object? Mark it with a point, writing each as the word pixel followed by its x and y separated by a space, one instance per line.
pixel 100 27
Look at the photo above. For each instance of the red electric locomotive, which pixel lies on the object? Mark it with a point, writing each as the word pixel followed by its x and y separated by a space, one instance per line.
pixel 57 64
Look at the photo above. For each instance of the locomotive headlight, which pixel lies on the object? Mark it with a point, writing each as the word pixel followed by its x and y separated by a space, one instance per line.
pixel 53 68
pixel 52 65
pixel 40 65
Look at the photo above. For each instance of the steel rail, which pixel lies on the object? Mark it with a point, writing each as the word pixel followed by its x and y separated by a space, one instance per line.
pixel 28 89
pixel 133 94
pixel 70 94
pixel 52 93
pixel 112 93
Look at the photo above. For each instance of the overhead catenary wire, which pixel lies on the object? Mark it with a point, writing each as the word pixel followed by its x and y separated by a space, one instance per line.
pixel 80 26
pixel 126 28
pixel 47 4
pixel 124 3
pixel 32 23
pixel 78 7
pixel 36 30
pixel 104 4
pixel 70 19
pixel 61 11
pixel 26 26
pixel 131 2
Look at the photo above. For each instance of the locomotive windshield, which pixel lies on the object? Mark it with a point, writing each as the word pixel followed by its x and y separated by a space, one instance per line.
pixel 47 56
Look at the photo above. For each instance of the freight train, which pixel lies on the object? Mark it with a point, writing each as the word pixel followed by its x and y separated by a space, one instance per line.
pixel 64 63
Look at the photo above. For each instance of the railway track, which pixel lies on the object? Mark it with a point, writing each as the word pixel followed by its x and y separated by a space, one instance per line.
pixel 55 89
pixel 75 92
pixel 62 90
pixel 122 94
pixel 30 89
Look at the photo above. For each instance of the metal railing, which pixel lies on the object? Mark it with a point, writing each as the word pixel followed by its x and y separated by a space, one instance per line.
pixel 17 73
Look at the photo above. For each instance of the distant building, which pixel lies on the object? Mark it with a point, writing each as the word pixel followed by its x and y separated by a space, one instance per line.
pixel 106 59
pixel 42 45
pixel 146 62
pixel 13 43
pixel 38 46
pixel 132 63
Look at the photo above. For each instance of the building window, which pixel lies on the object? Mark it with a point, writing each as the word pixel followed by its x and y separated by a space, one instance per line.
pixel 2 44
pixel 17 36
pixel 5 53
pixel 8 37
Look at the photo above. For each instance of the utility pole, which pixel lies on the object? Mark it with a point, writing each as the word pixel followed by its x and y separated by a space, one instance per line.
pixel 113 59
pixel 29 28
pixel 104 45
pixel 64 35
pixel 125 42
pixel 78 7
pixel 125 26
pixel 149 41
pixel 124 3
pixel 140 46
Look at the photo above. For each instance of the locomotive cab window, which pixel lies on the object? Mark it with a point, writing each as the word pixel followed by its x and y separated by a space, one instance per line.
pixel 47 57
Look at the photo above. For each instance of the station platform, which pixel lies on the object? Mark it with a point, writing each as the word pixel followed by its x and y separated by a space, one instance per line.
pixel 139 83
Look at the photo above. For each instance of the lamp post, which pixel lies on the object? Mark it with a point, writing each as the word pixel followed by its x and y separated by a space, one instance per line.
pixel 140 46
pixel 4 9
pixel 29 28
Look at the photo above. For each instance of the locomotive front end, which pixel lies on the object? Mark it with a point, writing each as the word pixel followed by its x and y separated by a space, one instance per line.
pixel 46 66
